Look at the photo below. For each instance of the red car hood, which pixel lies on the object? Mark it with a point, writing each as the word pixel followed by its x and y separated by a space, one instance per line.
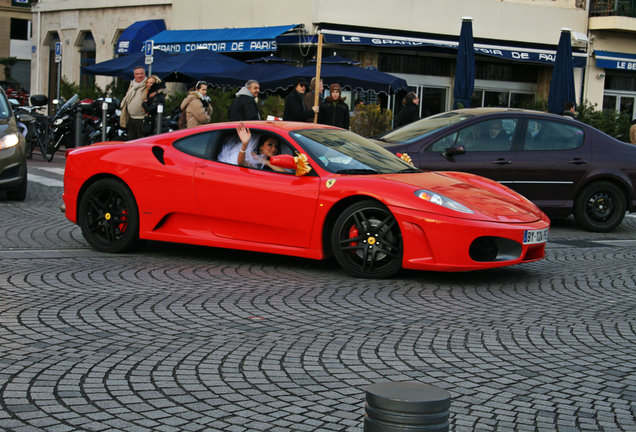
pixel 487 198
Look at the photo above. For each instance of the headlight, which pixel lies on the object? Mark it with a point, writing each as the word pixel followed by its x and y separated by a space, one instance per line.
pixel 9 140
pixel 441 200
pixel 58 121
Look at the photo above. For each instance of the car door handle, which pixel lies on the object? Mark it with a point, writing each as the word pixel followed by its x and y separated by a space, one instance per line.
pixel 578 161
pixel 502 161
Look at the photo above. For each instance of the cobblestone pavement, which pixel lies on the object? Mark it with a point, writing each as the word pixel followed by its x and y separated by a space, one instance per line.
pixel 182 338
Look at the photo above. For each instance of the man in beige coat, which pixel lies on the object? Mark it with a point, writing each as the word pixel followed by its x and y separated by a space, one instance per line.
pixel 132 113
pixel 197 106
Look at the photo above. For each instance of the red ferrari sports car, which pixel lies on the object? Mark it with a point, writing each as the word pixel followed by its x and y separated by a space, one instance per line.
pixel 306 190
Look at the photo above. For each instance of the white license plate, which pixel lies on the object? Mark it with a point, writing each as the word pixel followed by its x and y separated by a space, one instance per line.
pixel 535 236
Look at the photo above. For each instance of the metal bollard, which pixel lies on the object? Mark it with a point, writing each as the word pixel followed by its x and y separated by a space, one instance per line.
pixel 104 118
pixel 406 407
pixel 159 115
pixel 78 127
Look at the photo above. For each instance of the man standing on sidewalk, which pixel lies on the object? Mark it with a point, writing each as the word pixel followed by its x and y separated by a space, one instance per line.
pixel 244 106
pixel 132 113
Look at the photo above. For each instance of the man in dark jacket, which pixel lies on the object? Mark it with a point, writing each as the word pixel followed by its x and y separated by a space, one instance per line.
pixel 295 109
pixel 410 112
pixel 244 107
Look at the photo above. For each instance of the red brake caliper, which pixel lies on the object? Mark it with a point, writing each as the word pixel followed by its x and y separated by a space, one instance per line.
pixel 353 233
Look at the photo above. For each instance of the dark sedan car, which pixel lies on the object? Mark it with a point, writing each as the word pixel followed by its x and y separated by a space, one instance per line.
pixel 562 165
pixel 13 164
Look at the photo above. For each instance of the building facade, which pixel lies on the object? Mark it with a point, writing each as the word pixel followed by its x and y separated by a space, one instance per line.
pixel 515 40
pixel 15 40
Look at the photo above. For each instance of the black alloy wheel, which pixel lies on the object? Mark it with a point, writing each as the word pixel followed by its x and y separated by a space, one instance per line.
pixel 108 216
pixel 366 240
pixel 600 207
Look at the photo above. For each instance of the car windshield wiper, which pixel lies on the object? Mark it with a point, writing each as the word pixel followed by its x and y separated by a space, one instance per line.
pixel 357 171
pixel 410 170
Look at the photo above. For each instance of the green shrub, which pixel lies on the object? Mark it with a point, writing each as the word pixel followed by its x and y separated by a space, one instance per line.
pixel 68 89
pixel 612 123
pixel 370 120
pixel 273 105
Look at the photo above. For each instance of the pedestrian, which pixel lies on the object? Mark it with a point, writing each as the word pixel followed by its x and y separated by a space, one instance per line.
pixel 295 109
pixel 410 112
pixel 197 106
pixel 334 111
pixel 569 110
pixel 132 113
pixel 244 107
pixel 154 97
pixel 632 132
pixel 310 96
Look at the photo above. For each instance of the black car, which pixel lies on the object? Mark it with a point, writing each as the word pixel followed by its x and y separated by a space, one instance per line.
pixel 562 165
pixel 13 165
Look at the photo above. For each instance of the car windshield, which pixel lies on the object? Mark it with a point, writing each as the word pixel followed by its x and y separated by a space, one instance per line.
pixel 424 127
pixel 344 152
pixel 5 111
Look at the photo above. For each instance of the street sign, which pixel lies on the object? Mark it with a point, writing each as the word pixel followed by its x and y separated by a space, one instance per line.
pixel 58 52
pixel 148 48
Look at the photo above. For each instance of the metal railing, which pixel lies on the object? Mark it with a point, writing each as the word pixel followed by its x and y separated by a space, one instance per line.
pixel 613 8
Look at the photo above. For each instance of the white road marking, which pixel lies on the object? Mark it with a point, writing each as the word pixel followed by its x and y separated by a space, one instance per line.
pixel 46 181
pixel 54 170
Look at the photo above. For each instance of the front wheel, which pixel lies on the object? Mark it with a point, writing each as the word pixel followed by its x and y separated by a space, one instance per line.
pixel 600 207
pixel 20 193
pixel 108 216
pixel 366 241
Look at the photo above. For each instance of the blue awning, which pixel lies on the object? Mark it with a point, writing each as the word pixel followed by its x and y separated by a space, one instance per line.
pixel 132 39
pixel 536 55
pixel 220 40
pixel 615 60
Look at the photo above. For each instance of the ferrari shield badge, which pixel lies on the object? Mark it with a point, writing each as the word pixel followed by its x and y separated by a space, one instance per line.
pixel 330 183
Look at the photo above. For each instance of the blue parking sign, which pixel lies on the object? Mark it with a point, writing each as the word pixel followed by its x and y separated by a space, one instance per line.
pixel 58 48
pixel 148 47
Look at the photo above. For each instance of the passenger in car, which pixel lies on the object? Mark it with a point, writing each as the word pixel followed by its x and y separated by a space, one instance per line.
pixel 497 139
pixel 252 151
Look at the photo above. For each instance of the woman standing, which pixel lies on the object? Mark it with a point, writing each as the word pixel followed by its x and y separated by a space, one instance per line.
pixel 153 97
pixel 334 111
pixel 197 106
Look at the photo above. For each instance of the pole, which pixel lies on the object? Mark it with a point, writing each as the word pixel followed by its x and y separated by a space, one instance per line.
pixel 159 115
pixel 318 65
pixel 104 119
pixel 78 126
pixel 59 74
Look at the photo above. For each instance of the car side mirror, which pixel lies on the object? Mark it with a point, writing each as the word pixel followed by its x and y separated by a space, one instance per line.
pixel 457 149
pixel 283 161
pixel 301 167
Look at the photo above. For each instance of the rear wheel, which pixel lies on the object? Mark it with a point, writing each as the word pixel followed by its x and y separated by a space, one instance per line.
pixel 108 216
pixel 366 241
pixel 600 207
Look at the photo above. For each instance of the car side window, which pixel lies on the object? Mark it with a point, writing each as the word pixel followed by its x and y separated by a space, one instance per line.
pixel 202 145
pixel 444 143
pixel 488 135
pixel 254 159
pixel 552 135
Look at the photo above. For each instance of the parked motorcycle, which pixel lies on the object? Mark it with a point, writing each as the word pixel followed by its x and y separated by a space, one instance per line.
pixel 113 131
pixel 35 126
